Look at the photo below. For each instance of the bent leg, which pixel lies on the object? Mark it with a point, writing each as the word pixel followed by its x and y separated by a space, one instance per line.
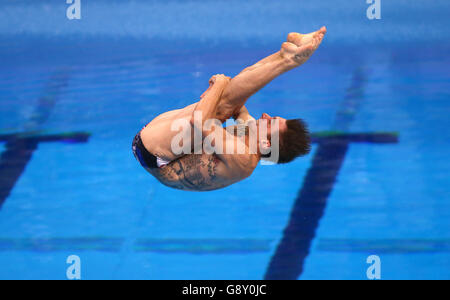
pixel 267 59
pixel 158 135
pixel 294 38
pixel 292 54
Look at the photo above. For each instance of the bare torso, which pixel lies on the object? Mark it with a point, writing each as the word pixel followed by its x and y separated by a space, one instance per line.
pixel 200 172
pixel 192 172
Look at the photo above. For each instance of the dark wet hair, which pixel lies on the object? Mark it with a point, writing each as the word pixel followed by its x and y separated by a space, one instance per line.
pixel 295 141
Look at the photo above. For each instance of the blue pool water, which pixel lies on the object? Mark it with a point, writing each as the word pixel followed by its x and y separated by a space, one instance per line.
pixel 74 93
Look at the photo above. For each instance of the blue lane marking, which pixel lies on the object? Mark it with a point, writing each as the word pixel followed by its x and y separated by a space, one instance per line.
pixel 219 246
pixel 19 147
pixel 351 103
pixel 385 246
pixel 46 103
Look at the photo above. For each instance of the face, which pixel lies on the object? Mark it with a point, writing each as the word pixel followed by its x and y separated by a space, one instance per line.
pixel 281 123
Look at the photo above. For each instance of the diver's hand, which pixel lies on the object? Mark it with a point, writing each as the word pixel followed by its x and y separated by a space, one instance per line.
pixel 220 79
pixel 218 83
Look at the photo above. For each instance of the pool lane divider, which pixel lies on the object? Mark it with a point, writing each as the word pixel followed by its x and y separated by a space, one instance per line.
pixel 384 246
pixel 20 146
pixel 294 247
pixel 216 246
pixel 236 246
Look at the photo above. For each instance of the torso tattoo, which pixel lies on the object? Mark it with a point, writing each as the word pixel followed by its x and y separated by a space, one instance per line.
pixel 203 172
pixel 197 172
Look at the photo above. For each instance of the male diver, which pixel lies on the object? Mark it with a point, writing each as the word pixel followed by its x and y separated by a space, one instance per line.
pixel 204 170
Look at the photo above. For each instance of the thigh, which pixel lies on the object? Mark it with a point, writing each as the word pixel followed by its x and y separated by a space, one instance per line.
pixel 157 136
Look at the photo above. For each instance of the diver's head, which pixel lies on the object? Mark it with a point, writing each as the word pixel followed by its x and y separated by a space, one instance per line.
pixel 293 138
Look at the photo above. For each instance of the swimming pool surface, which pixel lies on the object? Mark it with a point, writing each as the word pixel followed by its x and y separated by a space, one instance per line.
pixel 74 93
